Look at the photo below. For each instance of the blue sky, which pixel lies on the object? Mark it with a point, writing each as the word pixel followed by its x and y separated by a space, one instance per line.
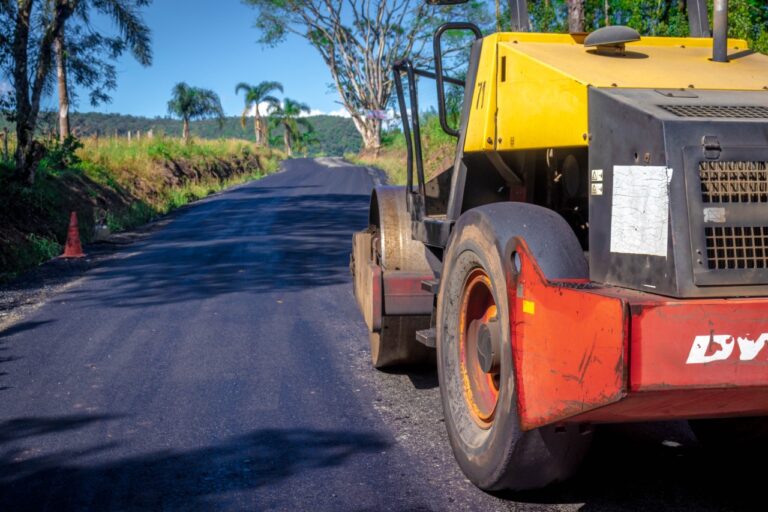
pixel 212 44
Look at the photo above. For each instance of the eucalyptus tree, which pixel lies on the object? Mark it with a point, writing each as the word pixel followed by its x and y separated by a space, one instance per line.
pixel 189 103
pixel 359 41
pixel 256 95
pixel 575 16
pixel 87 55
pixel 289 117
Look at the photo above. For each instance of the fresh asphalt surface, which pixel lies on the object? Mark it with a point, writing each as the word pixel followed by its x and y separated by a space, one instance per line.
pixel 221 364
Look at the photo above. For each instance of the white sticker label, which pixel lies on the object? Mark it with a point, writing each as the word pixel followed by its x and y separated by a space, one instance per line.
pixel 640 211
pixel 714 215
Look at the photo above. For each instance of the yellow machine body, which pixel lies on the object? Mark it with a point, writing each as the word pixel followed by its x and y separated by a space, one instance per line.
pixel 531 89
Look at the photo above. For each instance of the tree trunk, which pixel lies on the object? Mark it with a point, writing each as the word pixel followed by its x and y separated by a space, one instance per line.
pixel 185 134
pixel 287 141
pixel 257 130
pixel 265 132
pixel 575 16
pixel 61 76
pixel 28 151
pixel 21 78
pixel 370 131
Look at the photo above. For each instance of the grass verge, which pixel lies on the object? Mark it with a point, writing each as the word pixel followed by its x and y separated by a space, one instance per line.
pixel 438 150
pixel 121 183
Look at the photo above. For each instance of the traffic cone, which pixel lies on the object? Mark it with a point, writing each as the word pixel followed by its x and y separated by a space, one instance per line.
pixel 74 248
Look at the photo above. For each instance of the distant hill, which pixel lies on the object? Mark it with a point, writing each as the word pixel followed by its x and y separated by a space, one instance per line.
pixel 334 135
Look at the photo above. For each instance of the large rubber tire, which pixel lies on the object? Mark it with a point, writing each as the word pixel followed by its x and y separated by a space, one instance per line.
pixel 740 435
pixel 500 455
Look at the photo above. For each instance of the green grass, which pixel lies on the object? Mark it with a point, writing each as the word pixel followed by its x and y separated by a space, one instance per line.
pixel 438 151
pixel 126 183
pixel 41 247
pixel 137 214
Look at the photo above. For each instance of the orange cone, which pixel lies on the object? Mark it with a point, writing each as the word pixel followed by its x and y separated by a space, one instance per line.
pixel 74 248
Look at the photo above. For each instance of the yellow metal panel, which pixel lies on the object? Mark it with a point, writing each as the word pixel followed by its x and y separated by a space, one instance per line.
pixel 652 62
pixel 481 126
pixel 542 103
pixel 537 106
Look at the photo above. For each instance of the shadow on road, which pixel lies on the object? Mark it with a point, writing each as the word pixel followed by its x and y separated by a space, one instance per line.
pixel 642 466
pixel 250 241
pixel 22 327
pixel 167 480
pixel 424 377
pixel 4 347
pixel 656 466
pixel 26 428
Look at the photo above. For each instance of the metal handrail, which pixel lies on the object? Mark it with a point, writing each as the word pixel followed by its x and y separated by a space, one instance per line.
pixel 439 78
pixel 412 140
pixel 411 127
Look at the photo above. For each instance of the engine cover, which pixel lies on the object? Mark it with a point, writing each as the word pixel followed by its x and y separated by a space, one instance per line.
pixel 679 191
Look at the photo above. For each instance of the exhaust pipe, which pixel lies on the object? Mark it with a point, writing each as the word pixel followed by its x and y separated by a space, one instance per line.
pixel 720 43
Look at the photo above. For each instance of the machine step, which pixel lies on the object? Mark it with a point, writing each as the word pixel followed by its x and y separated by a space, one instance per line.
pixel 431 285
pixel 426 337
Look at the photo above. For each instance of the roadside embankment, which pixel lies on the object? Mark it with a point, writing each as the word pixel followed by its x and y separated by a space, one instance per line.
pixel 118 183
pixel 438 151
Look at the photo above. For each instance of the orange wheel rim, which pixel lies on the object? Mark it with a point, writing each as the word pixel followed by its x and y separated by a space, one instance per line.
pixel 478 320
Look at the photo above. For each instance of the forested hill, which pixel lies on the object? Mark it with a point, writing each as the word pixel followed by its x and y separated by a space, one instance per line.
pixel 333 136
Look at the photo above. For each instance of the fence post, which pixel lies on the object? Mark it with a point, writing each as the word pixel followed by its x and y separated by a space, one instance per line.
pixel 129 135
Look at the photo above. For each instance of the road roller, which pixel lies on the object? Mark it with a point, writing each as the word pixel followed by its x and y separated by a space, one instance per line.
pixel 598 251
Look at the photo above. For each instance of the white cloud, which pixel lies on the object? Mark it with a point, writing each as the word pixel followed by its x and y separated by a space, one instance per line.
pixel 312 112
pixel 264 111
pixel 342 112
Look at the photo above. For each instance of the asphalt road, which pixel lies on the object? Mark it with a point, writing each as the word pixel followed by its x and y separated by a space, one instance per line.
pixel 221 364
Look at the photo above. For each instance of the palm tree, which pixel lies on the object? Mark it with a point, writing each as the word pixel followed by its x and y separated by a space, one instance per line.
pixel 254 96
pixel 194 103
pixel 288 115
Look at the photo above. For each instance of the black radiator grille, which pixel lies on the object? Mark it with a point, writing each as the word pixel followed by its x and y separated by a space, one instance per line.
pixel 737 247
pixel 718 111
pixel 734 182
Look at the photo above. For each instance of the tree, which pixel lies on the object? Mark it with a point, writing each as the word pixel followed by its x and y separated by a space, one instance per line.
pixel 288 116
pixel 30 33
pixel 575 16
pixel 255 95
pixel 359 41
pixel 61 77
pixel 190 103
pixel 29 29
pixel 85 53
